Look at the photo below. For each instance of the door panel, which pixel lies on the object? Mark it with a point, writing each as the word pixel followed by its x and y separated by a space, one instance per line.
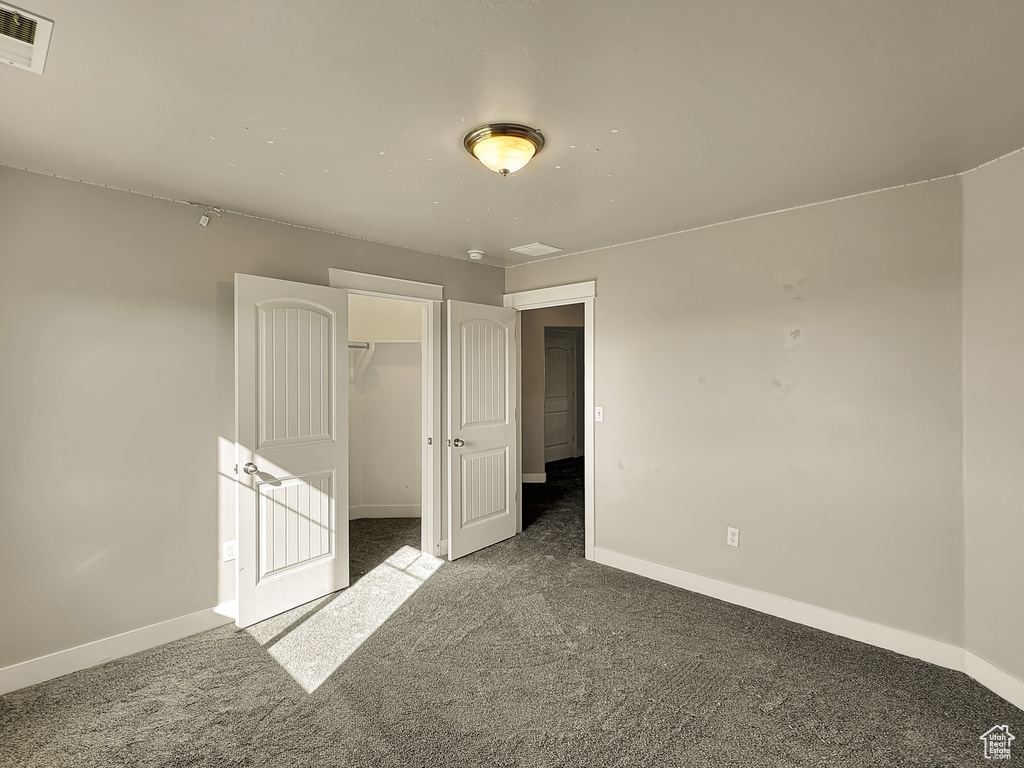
pixel 295 521
pixel 484 347
pixel 295 365
pixel 559 395
pixel 482 499
pixel 292 419
pixel 484 486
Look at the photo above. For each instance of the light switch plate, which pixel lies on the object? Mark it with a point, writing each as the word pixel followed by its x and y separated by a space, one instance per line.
pixel 598 413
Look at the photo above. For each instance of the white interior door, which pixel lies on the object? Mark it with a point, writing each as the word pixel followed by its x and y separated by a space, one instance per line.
pixel 559 395
pixel 483 493
pixel 291 383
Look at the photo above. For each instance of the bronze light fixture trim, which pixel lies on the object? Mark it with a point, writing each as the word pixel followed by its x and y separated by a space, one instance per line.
pixel 504 147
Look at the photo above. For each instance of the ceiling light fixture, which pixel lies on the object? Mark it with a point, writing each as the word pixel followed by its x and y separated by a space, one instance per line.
pixel 504 147
pixel 476 254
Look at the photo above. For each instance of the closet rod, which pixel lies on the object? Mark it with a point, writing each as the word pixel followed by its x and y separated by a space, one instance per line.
pixel 359 345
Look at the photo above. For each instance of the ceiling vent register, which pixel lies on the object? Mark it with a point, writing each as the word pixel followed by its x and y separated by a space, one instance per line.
pixel 536 249
pixel 24 38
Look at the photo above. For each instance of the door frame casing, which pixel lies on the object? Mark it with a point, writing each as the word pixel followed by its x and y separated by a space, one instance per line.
pixel 430 297
pixel 557 296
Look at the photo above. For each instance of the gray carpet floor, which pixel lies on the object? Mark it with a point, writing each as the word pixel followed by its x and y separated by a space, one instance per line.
pixel 523 654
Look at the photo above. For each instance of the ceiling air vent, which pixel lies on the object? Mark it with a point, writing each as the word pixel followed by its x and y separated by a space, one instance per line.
pixel 24 38
pixel 536 249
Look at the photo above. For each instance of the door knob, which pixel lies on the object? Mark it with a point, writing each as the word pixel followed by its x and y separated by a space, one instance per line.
pixel 458 443
pixel 250 468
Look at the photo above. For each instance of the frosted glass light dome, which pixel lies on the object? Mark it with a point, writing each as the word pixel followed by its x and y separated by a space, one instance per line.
pixel 504 147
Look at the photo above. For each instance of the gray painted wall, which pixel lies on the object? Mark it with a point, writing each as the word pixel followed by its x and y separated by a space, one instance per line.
pixel 385 423
pixel 796 376
pixel 116 397
pixel 994 411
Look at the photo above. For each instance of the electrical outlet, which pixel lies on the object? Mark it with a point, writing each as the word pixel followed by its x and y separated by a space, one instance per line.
pixel 732 537
pixel 229 550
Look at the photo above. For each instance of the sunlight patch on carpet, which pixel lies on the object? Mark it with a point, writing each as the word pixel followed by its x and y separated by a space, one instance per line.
pixel 314 649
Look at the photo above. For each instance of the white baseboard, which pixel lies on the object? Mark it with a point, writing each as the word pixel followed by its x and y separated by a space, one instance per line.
pixel 936 652
pixel 539 477
pixel 898 640
pixel 384 510
pixel 993 678
pixel 907 643
pixel 89 655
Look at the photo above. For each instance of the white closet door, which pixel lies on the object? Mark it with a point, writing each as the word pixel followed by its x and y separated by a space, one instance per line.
pixel 291 376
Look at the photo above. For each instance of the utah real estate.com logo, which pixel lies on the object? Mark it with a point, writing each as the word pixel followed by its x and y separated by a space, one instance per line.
pixel 997 742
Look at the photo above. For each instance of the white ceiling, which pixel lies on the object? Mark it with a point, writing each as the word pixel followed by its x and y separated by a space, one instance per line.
pixel 659 116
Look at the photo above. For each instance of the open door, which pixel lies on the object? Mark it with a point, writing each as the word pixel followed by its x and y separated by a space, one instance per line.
pixel 291 397
pixel 483 489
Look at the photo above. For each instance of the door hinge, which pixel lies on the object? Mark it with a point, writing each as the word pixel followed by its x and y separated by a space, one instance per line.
pixel 236 469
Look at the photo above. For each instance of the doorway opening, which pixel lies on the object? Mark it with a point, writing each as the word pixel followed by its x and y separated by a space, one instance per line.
pixel 552 370
pixel 394 324
pixel 561 296
pixel 385 428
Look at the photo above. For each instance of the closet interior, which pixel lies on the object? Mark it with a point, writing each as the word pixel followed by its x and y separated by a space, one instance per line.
pixel 385 403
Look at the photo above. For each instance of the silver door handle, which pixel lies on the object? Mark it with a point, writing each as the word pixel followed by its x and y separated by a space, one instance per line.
pixel 458 443
pixel 250 468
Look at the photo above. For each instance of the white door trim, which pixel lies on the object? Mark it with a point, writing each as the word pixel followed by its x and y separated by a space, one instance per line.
pixel 555 296
pixel 430 296
pixel 388 287
pixel 575 293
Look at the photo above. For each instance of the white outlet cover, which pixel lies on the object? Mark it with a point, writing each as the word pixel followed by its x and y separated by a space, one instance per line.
pixel 229 551
pixel 732 537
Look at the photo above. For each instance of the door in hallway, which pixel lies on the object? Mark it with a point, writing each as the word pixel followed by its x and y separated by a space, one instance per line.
pixel 483 493
pixel 559 394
